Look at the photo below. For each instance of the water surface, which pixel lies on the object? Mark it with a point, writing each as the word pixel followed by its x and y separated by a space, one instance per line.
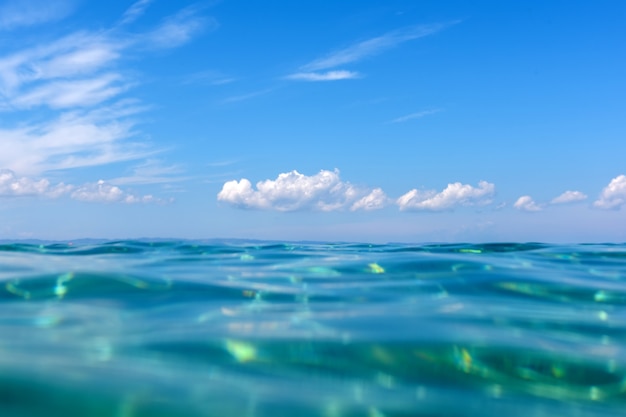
pixel 175 328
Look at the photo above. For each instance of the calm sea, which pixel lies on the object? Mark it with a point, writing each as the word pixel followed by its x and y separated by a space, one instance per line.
pixel 185 329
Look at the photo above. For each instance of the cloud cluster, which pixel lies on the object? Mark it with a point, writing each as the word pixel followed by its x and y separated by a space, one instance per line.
pixel 102 192
pixel 326 68
pixel 455 194
pixel 293 191
pixel 613 196
pixel 526 202
pixel 12 186
pixel 325 191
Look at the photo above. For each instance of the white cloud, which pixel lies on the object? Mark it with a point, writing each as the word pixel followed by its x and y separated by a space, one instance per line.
pixel 373 201
pixel 293 191
pixel 103 192
pixel 372 46
pixel 455 194
pixel 324 76
pixel 613 196
pixel 569 197
pixel 526 203
pixel 17 13
pixel 417 115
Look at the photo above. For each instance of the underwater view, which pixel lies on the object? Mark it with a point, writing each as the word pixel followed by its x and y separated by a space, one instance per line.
pixel 235 328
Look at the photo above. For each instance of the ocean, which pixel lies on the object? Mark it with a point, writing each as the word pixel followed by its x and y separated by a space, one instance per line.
pixel 251 329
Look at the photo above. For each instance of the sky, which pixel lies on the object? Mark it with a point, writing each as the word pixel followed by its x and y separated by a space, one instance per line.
pixel 362 121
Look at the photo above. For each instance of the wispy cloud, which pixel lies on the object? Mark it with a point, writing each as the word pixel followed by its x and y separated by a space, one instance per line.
pixel 324 76
pixel 152 172
pixel 222 171
pixel 80 77
pixel 325 68
pixel 455 194
pixel 613 196
pixel 417 115
pixel 209 78
pixel 179 29
pixel 71 58
pixel 83 68
pixel 74 93
pixel 247 96
pixel 373 46
pixel 19 13
pixel 134 12
pixel 74 139
pixel 223 163
pixel 292 191
pixel 526 203
pixel 569 197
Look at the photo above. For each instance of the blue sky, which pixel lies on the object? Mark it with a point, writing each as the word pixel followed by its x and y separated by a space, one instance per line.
pixel 313 120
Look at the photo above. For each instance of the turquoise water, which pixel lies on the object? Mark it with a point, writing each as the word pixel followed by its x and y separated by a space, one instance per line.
pixel 134 329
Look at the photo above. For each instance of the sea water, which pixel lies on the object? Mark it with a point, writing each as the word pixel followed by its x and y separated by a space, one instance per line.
pixel 179 328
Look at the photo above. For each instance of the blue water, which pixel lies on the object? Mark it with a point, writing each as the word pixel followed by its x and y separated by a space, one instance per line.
pixel 134 329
